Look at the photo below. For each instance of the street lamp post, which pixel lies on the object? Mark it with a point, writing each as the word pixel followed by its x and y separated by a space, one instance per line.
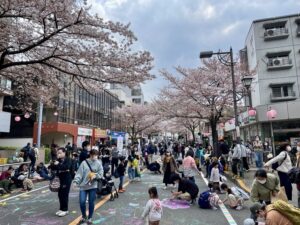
pixel 209 54
pixel 247 80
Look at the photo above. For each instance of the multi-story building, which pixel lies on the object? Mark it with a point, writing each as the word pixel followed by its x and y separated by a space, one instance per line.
pixel 272 50
pixel 137 95
pixel 76 117
pixel 123 92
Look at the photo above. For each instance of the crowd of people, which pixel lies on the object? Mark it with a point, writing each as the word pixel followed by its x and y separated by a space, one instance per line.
pixel 84 168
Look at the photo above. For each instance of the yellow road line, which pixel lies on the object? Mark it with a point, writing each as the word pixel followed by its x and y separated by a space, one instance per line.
pixel 97 206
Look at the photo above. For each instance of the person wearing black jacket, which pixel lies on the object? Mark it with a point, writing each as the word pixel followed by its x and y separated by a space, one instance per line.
pixel 62 166
pixel 187 189
pixel 121 172
pixel 86 148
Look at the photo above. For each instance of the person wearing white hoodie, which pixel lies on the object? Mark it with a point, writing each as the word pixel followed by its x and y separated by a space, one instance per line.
pixel 284 163
pixel 153 208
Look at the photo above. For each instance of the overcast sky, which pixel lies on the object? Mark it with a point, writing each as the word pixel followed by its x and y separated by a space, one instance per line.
pixel 175 31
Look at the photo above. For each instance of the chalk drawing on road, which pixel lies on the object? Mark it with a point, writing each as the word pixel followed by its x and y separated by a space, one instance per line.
pixel 175 204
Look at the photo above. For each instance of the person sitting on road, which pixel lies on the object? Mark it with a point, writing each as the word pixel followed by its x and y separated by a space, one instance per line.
pixel 187 189
pixel 234 202
pixel 21 179
pixel 154 167
pixel 43 171
pixel 264 186
pixel 5 179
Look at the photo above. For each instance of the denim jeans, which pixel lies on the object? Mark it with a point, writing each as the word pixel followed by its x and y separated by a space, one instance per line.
pixel 259 159
pixel 131 173
pixel 82 200
pixel 121 182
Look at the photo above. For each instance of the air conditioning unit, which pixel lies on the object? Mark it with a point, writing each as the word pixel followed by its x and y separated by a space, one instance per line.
pixel 270 32
pixel 277 61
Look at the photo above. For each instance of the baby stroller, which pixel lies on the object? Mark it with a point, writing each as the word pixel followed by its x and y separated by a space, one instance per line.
pixel 106 185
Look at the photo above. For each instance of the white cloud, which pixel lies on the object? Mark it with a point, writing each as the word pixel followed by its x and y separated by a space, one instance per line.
pixel 209 12
pixel 230 28
pixel 114 3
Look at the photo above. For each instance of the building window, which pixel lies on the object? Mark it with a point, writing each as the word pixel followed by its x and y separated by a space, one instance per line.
pixel 282 92
pixel 136 92
pixel 275 30
pixel 297 21
pixel 137 100
pixel 279 60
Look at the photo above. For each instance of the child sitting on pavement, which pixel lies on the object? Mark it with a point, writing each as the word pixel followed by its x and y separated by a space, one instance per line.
pixel 234 201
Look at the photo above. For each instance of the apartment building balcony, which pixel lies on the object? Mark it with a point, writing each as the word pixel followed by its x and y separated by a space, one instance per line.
pixel 279 98
pixel 276 34
pixel 279 63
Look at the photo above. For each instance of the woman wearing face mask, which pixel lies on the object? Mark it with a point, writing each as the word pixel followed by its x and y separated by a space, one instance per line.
pixel 264 186
pixel 86 178
pixel 284 163
pixel 63 166
pixel 169 167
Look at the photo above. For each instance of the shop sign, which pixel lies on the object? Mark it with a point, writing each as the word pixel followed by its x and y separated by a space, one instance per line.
pixel 245 119
pixel 85 131
pixel 98 133
pixel 5 121
pixel 116 134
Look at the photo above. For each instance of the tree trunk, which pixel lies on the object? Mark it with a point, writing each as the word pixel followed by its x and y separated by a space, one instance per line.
pixel 214 134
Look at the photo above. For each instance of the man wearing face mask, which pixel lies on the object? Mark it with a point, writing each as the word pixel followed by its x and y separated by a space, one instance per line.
pixel 264 186
pixel 284 163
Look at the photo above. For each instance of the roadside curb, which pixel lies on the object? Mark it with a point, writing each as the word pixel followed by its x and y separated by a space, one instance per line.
pixel 240 182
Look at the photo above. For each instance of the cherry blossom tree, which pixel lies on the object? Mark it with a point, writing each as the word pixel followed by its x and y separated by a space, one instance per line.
pixel 138 119
pixel 206 92
pixel 45 44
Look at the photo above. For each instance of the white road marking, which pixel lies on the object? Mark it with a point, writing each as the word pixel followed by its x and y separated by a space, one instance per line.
pixel 7 199
pixel 223 208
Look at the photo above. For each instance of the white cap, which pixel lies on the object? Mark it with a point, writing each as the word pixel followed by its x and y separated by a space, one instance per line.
pixel 249 222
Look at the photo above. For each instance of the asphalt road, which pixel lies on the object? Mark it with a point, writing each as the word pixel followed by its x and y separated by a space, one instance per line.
pixel 39 207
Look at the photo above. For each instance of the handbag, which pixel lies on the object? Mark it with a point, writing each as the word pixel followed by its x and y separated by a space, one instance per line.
pixel 54 184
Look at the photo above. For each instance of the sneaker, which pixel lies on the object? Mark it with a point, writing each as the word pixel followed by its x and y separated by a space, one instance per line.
pixel 89 222
pixel 82 221
pixel 58 212
pixel 165 187
pixel 63 213
pixel 239 208
pixel 214 208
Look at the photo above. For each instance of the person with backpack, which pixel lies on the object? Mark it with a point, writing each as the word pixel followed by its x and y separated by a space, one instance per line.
pixel 114 158
pixel 89 171
pixel 25 150
pixel 264 185
pixel 282 163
